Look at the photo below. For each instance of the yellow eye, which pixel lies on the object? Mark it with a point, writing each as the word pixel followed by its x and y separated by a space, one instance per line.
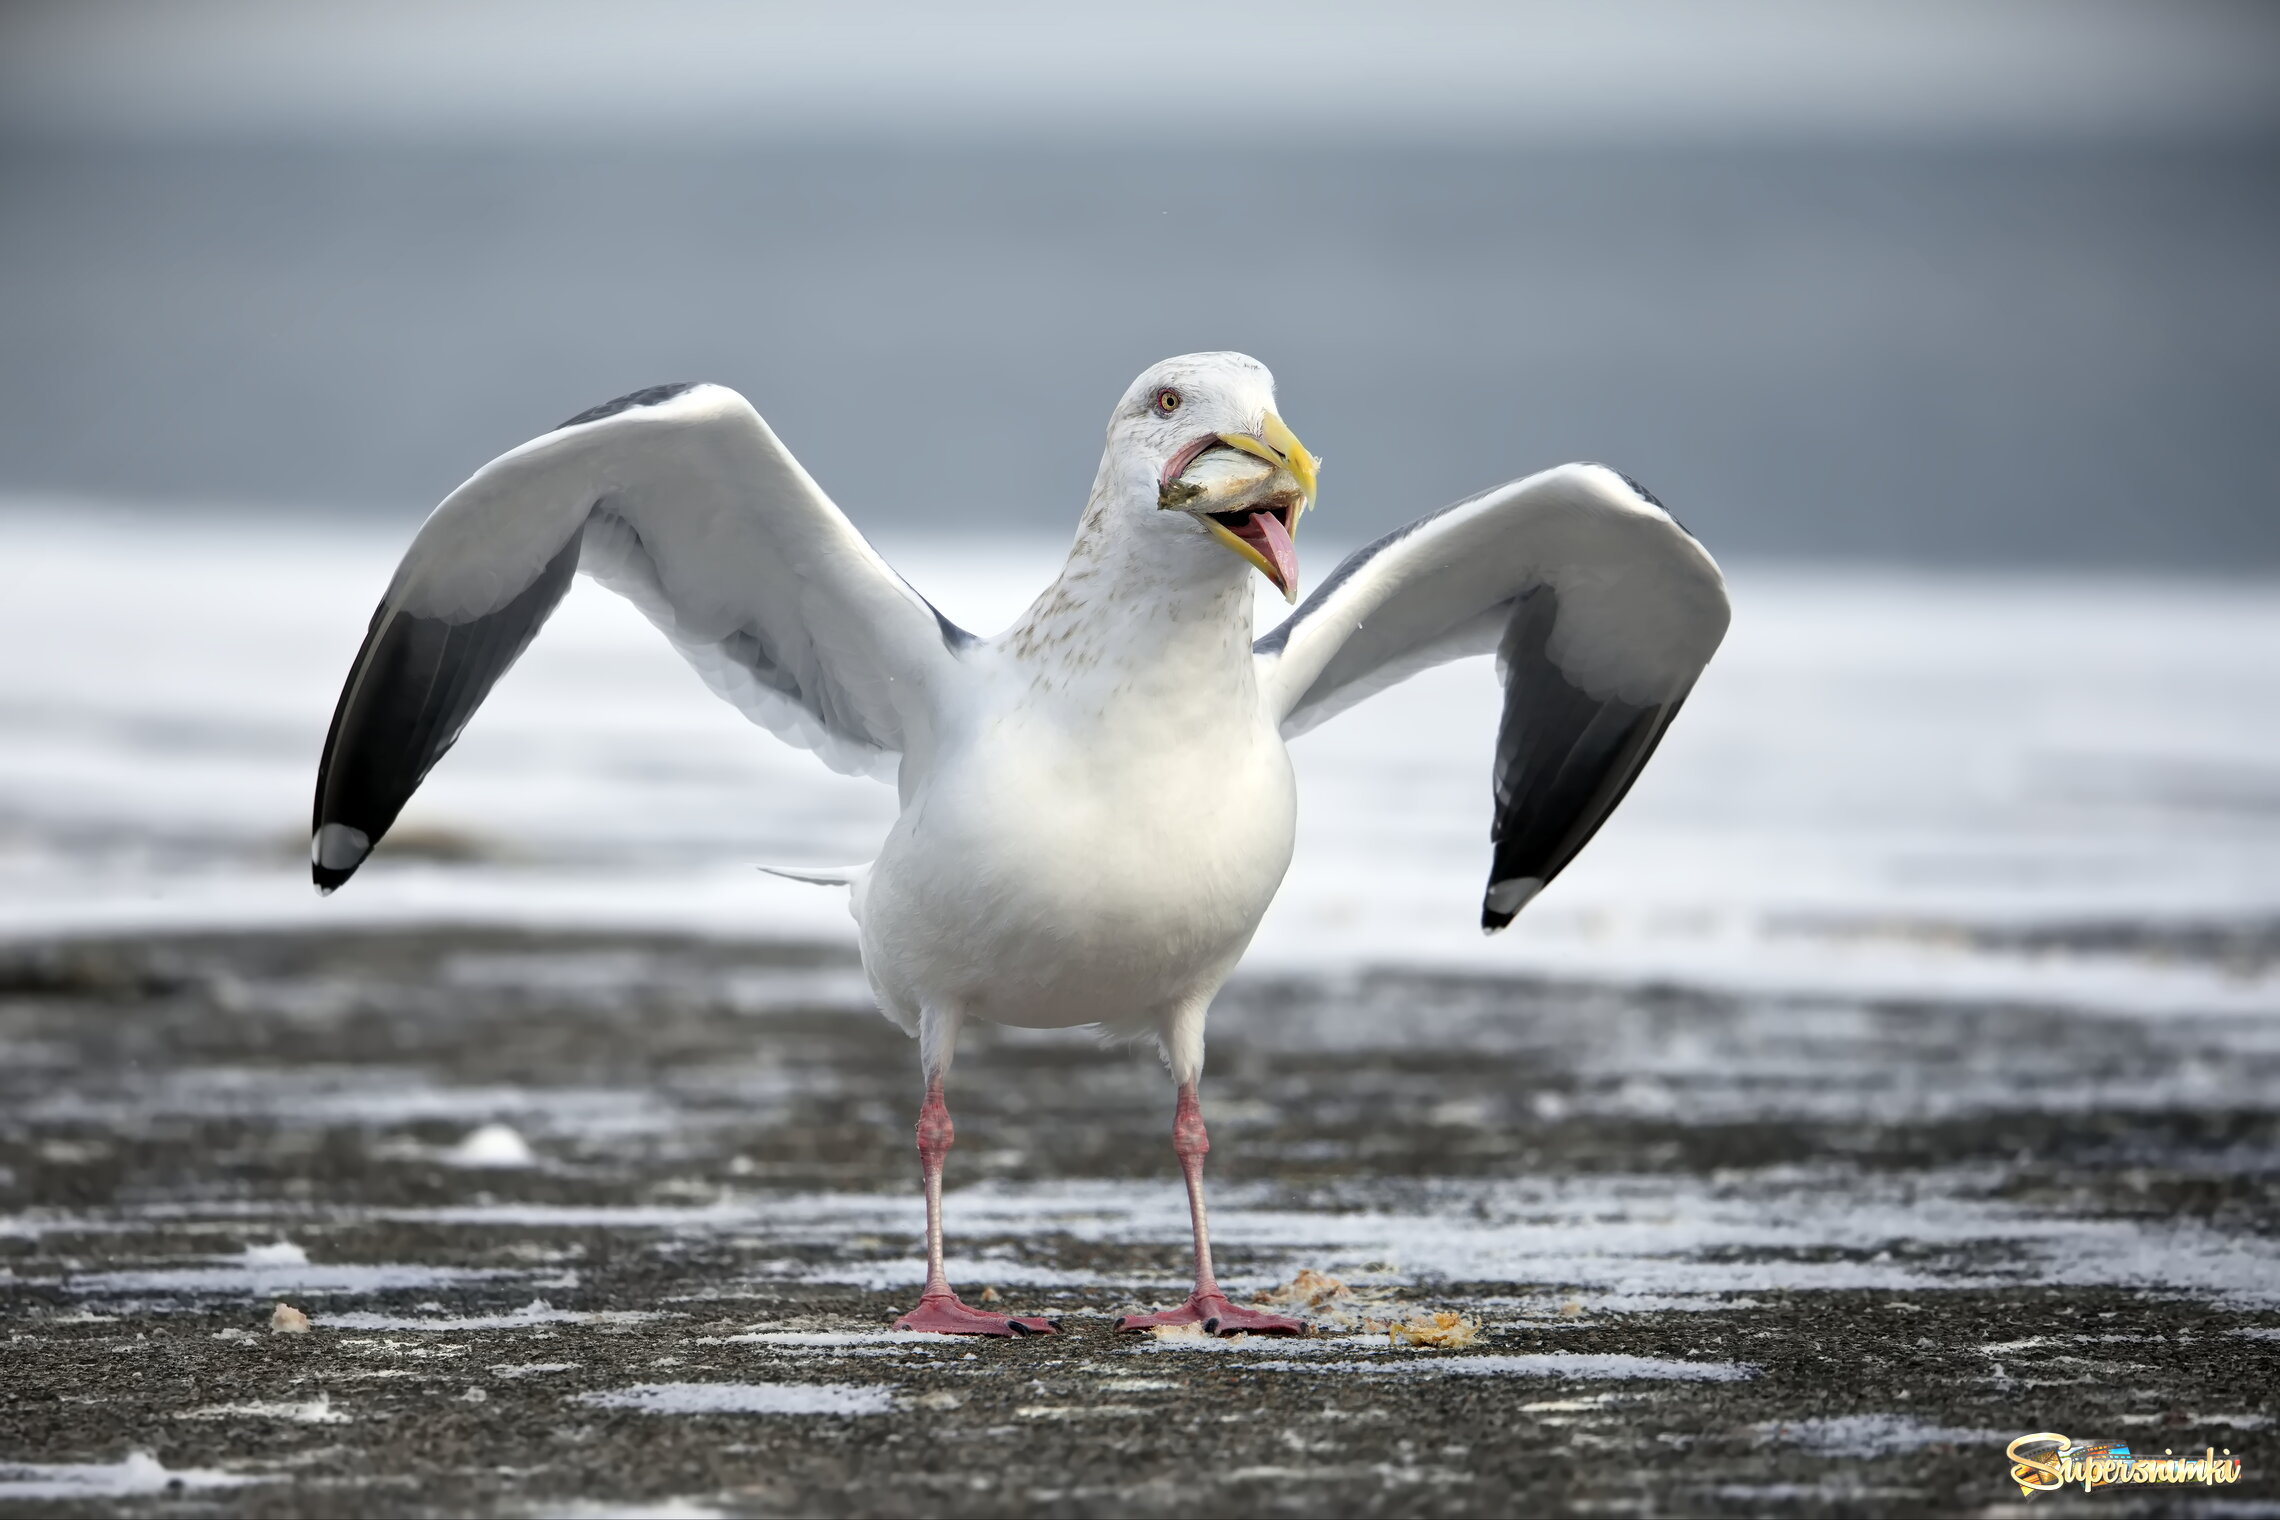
pixel 1168 401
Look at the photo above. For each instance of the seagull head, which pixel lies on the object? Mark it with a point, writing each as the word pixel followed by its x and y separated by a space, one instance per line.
pixel 1197 443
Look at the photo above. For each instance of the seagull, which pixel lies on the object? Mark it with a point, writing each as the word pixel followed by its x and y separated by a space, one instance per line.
pixel 1097 805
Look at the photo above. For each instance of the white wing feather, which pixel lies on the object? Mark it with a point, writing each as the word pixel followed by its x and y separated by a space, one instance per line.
pixel 1601 609
pixel 696 513
pixel 684 501
pixel 1644 606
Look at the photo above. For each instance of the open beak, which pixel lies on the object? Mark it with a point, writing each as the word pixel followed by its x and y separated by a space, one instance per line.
pixel 1263 535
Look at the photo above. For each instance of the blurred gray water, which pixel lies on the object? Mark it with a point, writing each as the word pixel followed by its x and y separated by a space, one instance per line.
pixel 2025 354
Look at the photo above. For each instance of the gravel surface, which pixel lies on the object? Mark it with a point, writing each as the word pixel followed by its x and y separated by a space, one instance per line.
pixel 592 1224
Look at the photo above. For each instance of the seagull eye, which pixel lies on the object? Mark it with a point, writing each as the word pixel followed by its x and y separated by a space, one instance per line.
pixel 1168 401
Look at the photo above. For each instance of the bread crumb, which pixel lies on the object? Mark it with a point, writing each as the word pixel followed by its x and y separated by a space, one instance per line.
pixel 991 1295
pixel 1308 1290
pixel 287 1320
pixel 1444 1330
pixel 1572 1309
pixel 1326 1303
pixel 1191 1332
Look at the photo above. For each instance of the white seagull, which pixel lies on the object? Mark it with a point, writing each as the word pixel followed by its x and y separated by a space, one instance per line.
pixel 1097 804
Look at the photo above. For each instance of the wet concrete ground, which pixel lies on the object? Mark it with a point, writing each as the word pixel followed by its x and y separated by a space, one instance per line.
pixel 1728 1256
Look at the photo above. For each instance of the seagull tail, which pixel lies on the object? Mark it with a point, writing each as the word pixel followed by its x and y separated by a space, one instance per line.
pixel 821 876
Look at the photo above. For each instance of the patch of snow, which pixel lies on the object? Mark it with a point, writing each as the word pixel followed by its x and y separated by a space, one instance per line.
pixel 1872 1435
pixel 1204 1343
pixel 1554 1364
pixel 77 1482
pixel 281 1253
pixel 537 1312
pixel 493 1145
pixel 316 1411
pixel 747 1398
pixel 1837 1491
pixel 830 1338
pixel 237 1279
pixel 1554 1305
pixel 661 1509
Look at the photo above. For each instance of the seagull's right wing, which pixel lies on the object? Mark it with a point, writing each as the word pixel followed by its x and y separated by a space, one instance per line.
pixel 683 500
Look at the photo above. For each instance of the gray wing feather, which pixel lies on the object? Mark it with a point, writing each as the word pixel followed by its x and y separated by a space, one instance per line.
pixel 1600 608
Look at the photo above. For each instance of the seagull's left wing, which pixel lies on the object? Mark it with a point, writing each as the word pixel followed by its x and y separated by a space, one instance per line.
pixel 1601 611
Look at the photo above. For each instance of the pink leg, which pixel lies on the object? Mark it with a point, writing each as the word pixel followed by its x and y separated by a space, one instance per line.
pixel 1207 1306
pixel 938 1308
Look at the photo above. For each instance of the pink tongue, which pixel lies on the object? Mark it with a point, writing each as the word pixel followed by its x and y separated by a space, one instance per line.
pixel 1274 542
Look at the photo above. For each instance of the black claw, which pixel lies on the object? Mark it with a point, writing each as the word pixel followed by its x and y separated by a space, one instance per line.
pixel 1019 1328
pixel 1211 1325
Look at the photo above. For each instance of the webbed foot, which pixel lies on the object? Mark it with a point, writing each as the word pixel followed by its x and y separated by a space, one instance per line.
pixel 942 1314
pixel 1218 1317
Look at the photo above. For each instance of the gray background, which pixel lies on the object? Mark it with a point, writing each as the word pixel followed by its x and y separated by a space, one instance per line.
pixel 1920 282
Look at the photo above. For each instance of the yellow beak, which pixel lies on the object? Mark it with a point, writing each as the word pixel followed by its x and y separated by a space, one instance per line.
pixel 1278 446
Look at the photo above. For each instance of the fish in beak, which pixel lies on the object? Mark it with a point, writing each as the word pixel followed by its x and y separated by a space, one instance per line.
pixel 1248 490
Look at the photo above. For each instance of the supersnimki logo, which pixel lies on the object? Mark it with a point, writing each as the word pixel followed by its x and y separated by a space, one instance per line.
pixel 2046 1460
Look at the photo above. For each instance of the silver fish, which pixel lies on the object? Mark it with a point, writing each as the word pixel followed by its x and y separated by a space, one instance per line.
pixel 1228 480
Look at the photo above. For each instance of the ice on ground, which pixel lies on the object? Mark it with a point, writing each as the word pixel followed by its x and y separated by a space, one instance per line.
pixel 1646 1240
pixel 537 1312
pixel 1191 1338
pixel 828 1339
pixel 237 1279
pixel 747 1398
pixel 139 1473
pixel 1551 1364
pixel 1873 1435
pixel 316 1411
pixel 371 1094
pixel 659 1509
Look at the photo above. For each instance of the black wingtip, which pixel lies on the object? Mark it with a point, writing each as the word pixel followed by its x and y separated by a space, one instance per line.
pixel 416 682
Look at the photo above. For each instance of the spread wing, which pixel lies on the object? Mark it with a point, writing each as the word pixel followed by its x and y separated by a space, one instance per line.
pixel 1600 609
pixel 682 500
